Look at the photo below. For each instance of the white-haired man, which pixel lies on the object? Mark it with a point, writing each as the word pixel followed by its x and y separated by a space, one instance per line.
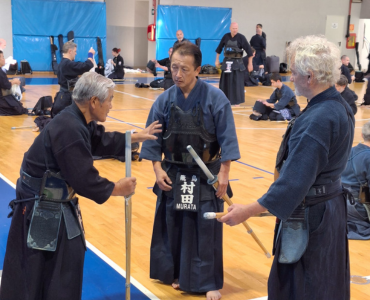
pixel 310 247
pixel 44 256
pixel 232 76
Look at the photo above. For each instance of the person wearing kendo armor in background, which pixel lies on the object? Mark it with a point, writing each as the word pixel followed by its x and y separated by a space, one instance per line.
pixel 310 243
pixel 45 256
pixel 68 72
pixel 186 249
pixel 347 94
pixel 281 106
pixel 355 177
pixel 232 76
pixel 118 64
pixel 165 65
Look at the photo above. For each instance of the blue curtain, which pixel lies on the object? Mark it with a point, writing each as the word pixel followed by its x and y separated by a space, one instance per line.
pixel 35 21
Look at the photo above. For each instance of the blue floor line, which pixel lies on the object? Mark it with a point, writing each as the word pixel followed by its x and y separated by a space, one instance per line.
pixel 100 282
pixel 125 122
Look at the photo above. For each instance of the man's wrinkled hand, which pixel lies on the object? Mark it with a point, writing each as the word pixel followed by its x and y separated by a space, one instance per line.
pixel 163 181
pixel 147 133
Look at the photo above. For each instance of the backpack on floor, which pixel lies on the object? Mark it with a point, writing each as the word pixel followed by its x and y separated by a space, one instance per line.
pixel 25 67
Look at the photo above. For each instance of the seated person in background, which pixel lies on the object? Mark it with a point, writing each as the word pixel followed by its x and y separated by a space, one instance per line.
pixel 117 62
pixel 282 104
pixel 357 173
pixel 347 94
pixel 8 103
pixel 249 78
pixel 68 71
pixel 165 65
pixel 344 69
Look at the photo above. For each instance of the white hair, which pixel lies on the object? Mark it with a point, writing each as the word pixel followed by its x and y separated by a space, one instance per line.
pixel 366 131
pixel 317 55
pixel 92 84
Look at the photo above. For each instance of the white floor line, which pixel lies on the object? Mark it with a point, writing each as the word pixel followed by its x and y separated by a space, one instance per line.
pixel 135 96
pixel 262 298
pixel 111 263
pixel 244 110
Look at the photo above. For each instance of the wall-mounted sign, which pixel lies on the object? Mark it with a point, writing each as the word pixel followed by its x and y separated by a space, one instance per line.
pixel 352 27
pixel 334 25
pixel 351 41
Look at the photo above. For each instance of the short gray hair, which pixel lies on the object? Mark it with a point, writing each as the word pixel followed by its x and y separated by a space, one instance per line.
pixel 342 81
pixel 67 46
pixel 366 131
pixel 316 54
pixel 92 84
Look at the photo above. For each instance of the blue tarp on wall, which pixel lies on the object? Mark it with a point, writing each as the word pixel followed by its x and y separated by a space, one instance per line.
pixel 208 23
pixel 35 21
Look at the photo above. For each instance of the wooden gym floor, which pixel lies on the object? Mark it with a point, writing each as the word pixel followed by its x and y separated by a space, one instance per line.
pixel 246 268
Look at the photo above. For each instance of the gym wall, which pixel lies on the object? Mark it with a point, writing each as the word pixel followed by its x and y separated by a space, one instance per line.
pixel 282 20
pixel 208 23
pixel 6 31
pixel 34 21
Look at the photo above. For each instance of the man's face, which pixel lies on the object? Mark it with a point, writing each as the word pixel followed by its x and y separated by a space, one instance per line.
pixel 72 53
pixel 2 60
pixel 99 111
pixel 259 30
pixel 234 29
pixel 300 82
pixel 182 69
pixel 345 61
pixel 179 35
pixel 339 88
pixel 274 83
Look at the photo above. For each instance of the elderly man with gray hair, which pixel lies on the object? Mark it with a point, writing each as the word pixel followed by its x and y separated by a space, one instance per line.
pixel 45 255
pixel 310 245
pixel 356 177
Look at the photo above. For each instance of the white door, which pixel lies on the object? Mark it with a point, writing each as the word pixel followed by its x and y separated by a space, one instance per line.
pixel 336 30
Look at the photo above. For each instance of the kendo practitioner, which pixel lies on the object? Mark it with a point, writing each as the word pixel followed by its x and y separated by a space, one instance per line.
pixel 311 246
pixel 345 70
pixel 9 105
pixel 258 42
pixel 355 176
pixel 68 72
pixel 118 64
pixel 281 106
pixel 186 249
pixel 232 76
pixel 44 256
pixel 180 37
pixel 347 94
pixel 165 65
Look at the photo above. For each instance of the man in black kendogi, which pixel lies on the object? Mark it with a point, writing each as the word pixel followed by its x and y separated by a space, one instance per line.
pixel 68 72
pixel 165 65
pixel 46 246
pixel 258 42
pixel 310 245
pixel 232 76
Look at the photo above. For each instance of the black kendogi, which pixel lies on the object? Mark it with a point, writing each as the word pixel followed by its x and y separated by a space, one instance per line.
pixel 345 71
pixel 68 70
pixel 259 44
pixel 351 97
pixel 232 84
pixel 311 247
pixel 167 81
pixel 66 145
pixel 118 72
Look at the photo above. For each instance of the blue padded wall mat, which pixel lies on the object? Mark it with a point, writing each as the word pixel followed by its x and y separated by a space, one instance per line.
pixel 208 23
pixel 35 20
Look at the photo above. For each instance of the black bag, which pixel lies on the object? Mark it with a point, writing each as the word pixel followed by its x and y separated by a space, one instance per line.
pixel 208 69
pixel 272 64
pixel 42 106
pixel 157 84
pixel 359 76
pixel 25 67
pixel 13 69
pixel 283 68
pixel 266 79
